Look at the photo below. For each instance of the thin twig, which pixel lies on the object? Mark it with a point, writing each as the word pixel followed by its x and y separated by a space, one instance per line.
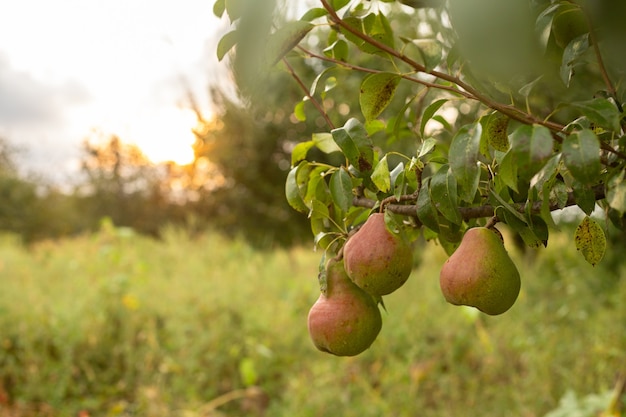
pixel 304 88
pixel 407 77
pixel 511 111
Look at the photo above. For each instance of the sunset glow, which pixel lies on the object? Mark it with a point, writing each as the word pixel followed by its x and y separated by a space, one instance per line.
pixel 121 67
pixel 165 135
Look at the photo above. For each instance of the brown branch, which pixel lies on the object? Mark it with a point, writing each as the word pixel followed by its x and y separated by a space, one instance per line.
pixel 317 105
pixel 511 111
pixel 477 212
pixel 407 77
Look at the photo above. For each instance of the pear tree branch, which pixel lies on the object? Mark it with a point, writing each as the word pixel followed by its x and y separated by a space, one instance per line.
pixel 511 111
pixel 477 212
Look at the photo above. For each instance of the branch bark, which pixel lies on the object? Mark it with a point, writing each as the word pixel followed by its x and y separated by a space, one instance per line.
pixel 477 212
pixel 510 111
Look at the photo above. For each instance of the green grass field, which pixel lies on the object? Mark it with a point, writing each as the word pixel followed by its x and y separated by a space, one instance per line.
pixel 115 324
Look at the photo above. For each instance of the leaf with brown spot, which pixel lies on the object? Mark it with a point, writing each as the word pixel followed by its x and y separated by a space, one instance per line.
pixel 590 240
pixel 497 132
pixel 377 91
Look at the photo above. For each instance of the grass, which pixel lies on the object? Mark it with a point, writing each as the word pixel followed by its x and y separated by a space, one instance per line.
pixel 115 324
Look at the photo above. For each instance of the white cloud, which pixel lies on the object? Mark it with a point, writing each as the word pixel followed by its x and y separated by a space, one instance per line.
pixel 73 65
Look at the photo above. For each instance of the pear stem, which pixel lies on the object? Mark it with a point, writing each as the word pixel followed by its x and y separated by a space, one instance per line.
pixel 491 223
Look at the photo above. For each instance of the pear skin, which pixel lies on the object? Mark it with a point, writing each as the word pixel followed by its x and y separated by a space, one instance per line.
pixel 345 320
pixel 480 273
pixel 377 260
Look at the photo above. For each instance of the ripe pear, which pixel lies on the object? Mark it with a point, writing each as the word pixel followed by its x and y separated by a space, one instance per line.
pixel 345 320
pixel 376 259
pixel 480 273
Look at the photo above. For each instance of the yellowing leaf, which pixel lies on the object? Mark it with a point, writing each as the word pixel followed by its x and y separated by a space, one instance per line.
pixel 590 240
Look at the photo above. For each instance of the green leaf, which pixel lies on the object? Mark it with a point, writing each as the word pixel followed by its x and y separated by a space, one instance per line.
pixel 318 78
pixel 219 7
pixel 292 192
pixel 427 147
pixel 338 50
pixel 584 196
pixel 298 111
pixel 521 227
pixel 377 91
pixel 317 189
pixel 313 14
pixel 321 224
pixel 338 4
pixel 355 144
pixel 495 131
pixel 247 372
pixel 285 39
pixel 509 208
pixel 443 193
pixel 341 189
pixel 426 212
pixel 325 143
pixel 463 158
pixel 226 43
pixel 572 52
pixel 299 151
pixel 380 176
pixel 581 155
pixel 527 89
pixel 374 126
pixel 590 240
pixel 429 50
pixel 235 9
pixel 374 25
pixel 399 180
pixel 531 147
pixel 601 112
pixel 616 192
pixel 546 174
pixel 429 112
pixel 508 171
pixel 559 194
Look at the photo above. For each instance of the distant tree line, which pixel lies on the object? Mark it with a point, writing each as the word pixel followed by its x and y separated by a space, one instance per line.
pixel 240 195
pixel 234 186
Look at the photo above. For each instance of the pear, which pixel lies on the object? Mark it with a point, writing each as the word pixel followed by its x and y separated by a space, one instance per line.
pixel 480 273
pixel 345 320
pixel 377 260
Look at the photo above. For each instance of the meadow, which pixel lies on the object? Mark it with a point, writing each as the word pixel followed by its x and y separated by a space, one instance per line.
pixel 116 324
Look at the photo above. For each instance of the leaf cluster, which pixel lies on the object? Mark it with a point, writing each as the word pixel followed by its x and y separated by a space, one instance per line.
pixel 456 131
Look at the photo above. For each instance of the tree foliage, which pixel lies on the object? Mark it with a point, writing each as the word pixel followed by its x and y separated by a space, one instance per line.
pixel 460 123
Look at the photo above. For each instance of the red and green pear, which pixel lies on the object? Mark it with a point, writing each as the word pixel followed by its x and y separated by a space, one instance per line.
pixel 480 273
pixel 345 320
pixel 376 259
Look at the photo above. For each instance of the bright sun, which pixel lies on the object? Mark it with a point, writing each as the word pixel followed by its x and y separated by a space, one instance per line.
pixel 165 135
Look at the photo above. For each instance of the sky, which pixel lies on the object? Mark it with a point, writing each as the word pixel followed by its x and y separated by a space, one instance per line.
pixel 70 68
